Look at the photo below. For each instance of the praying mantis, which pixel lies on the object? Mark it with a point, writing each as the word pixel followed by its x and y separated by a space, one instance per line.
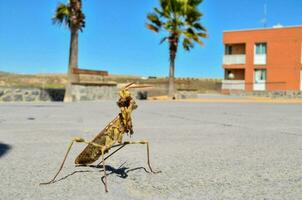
pixel 110 137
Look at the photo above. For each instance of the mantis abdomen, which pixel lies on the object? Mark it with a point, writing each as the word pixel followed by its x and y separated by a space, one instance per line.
pixel 106 138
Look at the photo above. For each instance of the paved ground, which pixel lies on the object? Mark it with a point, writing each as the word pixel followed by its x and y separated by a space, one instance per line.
pixel 205 151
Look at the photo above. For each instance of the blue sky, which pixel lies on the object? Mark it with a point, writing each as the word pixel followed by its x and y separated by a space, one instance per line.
pixel 115 37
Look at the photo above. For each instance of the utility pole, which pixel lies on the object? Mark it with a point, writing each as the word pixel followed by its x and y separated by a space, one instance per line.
pixel 264 19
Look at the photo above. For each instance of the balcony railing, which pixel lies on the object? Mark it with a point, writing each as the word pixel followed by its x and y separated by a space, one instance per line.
pixel 260 59
pixel 234 59
pixel 233 85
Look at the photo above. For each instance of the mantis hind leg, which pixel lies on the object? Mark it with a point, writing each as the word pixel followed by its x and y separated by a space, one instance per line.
pixel 76 139
pixel 105 174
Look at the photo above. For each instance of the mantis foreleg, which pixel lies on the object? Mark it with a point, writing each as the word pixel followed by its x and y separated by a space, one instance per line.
pixel 134 142
pixel 148 156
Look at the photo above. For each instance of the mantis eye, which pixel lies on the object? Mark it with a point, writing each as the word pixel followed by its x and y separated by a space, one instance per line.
pixel 134 105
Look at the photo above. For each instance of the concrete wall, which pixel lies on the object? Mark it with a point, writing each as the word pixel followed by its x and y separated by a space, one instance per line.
pixel 79 93
pixel 94 93
pixel 8 94
pixel 271 94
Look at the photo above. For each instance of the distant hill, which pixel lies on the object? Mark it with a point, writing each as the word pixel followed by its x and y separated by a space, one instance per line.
pixel 60 80
pixel 32 80
pixel 4 73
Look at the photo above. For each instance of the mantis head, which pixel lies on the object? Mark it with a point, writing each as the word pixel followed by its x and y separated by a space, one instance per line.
pixel 126 100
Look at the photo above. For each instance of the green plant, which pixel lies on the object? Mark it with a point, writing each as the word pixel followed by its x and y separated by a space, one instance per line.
pixel 181 20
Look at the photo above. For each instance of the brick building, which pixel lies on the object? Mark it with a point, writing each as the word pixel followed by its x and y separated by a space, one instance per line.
pixel 268 59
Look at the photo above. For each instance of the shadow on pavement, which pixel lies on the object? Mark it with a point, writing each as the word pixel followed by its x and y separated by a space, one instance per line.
pixel 4 149
pixel 121 172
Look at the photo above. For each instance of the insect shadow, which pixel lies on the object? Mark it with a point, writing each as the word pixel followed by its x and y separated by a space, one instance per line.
pixel 4 148
pixel 121 171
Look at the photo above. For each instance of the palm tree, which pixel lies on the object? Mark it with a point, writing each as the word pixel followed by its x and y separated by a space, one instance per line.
pixel 181 19
pixel 71 15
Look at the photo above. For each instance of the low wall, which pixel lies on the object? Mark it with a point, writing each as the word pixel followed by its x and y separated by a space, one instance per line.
pixel 94 93
pixel 8 94
pixel 79 93
pixel 82 93
pixel 271 94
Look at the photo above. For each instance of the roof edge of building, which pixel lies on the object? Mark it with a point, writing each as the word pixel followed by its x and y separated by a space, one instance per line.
pixel 263 29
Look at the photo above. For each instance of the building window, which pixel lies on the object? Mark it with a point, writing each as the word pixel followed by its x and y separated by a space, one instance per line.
pixel 260 48
pixel 259 79
pixel 260 75
pixel 228 50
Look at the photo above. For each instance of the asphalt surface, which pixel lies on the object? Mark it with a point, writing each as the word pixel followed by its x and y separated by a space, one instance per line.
pixel 204 150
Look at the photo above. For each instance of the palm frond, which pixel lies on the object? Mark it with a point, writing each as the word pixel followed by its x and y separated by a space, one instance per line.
pixel 191 34
pixel 193 16
pixel 202 35
pixel 152 28
pixel 81 21
pixel 70 14
pixel 199 41
pixel 195 3
pixel 187 44
pixel 163 40
pixel 62 15
pixel 165 6
pixel 199 27
pixel 158 11
pixel 153 18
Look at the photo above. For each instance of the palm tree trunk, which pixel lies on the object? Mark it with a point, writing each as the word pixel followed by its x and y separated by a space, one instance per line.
pixel 173 50
pixel 73 63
